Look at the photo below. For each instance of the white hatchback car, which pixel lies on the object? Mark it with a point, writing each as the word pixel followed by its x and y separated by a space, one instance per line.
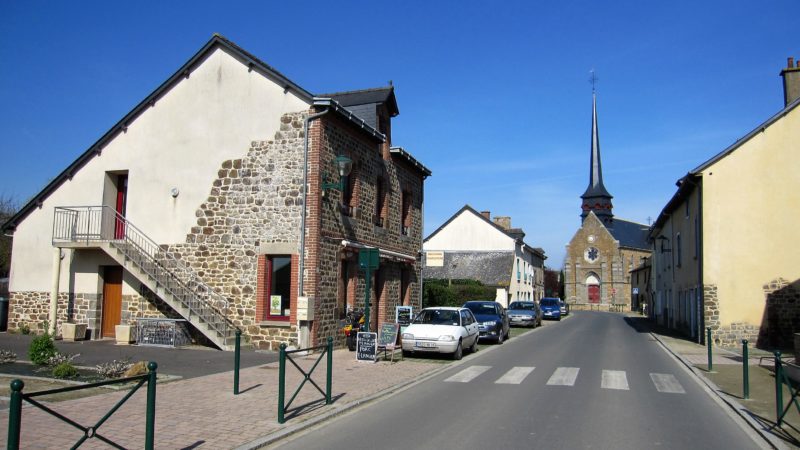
pixel 442 330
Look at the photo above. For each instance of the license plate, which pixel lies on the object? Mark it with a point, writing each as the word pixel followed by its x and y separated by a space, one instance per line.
pixel 516 319
pixel 425 344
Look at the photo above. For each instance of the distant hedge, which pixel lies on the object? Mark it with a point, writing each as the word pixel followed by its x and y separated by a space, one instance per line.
pixel 454 292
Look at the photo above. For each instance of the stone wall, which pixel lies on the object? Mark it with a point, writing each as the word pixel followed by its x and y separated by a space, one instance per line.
pixel 781 317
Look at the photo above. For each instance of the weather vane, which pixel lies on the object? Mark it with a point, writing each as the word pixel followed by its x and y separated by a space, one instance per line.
pixel 592 79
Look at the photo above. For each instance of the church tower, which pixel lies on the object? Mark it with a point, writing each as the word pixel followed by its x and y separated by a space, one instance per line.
pixel 596 198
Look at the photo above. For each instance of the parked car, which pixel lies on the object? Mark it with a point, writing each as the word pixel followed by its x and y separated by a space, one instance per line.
pixel 551 309
pixel 526 314
pixel 492 319
pixel 442 330
pixel 564 307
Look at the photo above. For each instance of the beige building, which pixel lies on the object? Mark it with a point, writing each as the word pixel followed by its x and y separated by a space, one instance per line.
pixel 724 246
pixel 605 249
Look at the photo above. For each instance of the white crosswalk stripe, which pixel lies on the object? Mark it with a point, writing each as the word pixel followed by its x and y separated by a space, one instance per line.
pixel 614 379
pixel 515 375
pixel 667 383
pixel 468 374
pixel 564 376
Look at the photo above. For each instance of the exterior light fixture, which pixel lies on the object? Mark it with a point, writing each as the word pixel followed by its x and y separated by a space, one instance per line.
pixel 344 166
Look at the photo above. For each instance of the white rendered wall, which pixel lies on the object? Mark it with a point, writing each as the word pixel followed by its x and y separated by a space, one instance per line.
pixel 468 232
pixel 180 142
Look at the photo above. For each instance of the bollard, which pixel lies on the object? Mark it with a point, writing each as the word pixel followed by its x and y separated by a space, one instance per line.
pixel 778 388
pixel 745 370
pixel 15 415
pixel 281 382
pixel 150 425
pixel 236 360
pixel 329 382
pixel 708 345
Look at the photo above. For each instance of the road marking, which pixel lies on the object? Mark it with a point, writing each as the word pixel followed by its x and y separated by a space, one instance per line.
pixel 667 383
pixel 468 374
pixel 515 375
pixel 564 376
pixel 614 379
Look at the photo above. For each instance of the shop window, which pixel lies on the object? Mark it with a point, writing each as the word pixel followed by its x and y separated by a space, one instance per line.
pixel 277 287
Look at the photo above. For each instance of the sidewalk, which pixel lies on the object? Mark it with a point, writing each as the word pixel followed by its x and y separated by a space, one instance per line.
pixel 203 412
pixel 725 383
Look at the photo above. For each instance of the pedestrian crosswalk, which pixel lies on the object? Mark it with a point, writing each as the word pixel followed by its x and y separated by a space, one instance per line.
pixel 567 376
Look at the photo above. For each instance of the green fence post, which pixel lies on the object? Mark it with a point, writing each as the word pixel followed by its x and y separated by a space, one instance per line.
pixel 281 382
pixel 329 383
pixel 708 345
pixel 150 426
pixel 778 388
pixel 745 370
pixel 236 360
pixel 15 415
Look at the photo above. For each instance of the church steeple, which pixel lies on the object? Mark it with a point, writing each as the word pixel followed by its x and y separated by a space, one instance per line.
pixel 596 198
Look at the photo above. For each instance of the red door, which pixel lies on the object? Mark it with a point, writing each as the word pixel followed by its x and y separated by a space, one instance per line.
pixel 594 293
pixel 122 200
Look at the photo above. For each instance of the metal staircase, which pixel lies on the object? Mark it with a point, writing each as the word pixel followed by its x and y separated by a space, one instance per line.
pixel 153 265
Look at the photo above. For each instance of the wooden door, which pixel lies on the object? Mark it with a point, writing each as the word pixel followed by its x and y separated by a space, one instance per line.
pixel 594 293
pixel 112 299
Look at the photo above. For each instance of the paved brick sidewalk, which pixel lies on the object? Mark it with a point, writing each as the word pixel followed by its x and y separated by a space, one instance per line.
pixel 203 412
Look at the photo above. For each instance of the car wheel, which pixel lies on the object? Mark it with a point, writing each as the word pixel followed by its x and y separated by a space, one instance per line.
pixel 457 354
pixel 500 338
pixel 474 347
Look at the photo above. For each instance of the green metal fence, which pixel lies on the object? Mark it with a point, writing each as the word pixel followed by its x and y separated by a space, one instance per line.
pixel 89 432
pixel 286 355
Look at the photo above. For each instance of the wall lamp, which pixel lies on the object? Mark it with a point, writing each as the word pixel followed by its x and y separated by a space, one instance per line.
pixel 663 238
pixel 344 165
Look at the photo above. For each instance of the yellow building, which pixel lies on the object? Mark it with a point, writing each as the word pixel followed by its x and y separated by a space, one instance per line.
pixel 725 249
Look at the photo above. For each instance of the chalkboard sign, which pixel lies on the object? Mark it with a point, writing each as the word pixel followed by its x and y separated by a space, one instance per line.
pixel 388 334
pixel 404 315
pixel 367 347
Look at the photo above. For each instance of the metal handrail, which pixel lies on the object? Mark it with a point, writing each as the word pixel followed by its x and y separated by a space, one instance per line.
pixel 104 224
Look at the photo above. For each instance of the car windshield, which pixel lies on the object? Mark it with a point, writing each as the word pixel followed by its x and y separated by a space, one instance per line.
pixel 437 317
pixel 522 305
pixel 481 308
pixel 549 302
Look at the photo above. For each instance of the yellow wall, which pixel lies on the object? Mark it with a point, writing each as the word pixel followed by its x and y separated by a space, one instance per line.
pixel 751 217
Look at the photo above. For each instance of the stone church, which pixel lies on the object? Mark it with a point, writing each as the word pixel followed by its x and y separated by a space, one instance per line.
pixel 605 249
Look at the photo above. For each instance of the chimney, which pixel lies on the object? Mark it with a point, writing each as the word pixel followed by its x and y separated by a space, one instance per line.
pixel 503 222
pixel 791 81
pixel 487 215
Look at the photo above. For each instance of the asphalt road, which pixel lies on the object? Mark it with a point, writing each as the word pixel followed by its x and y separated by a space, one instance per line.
pixel 596 383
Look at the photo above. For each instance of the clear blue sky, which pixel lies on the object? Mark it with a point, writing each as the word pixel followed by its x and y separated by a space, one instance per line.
pixel 495 100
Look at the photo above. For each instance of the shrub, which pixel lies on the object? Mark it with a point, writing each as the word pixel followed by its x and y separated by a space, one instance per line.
pixel 42 348
pixel 7 356
pixel 113 369
pixel 64 370
pixel 59 358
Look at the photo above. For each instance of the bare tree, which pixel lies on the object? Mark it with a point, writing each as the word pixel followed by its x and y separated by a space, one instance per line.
pixel 8 207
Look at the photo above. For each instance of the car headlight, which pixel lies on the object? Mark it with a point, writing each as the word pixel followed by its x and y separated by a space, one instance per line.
pixel 408 336
pixel 447 337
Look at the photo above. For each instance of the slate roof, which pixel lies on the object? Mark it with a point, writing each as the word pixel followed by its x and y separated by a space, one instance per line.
pixel 367 96
pixel 629 234
pixel 490 268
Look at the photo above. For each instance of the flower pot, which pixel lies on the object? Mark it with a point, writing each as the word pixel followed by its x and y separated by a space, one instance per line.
pixel 124 334
pixel 73 331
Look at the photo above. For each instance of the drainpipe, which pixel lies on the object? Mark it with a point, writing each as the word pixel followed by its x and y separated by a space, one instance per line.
pixel 304 325
pixel 54 291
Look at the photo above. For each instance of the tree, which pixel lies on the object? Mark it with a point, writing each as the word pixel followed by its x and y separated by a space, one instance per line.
pixel 454 292
pixel 8 207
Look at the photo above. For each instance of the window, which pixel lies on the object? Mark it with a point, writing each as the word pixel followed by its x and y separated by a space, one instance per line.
pixel 276 291
pixel 696 237
pixel 406 222
pixel 687 208
pixel 678 249
pixel 349 196
pixel 380 202
pixel 518 271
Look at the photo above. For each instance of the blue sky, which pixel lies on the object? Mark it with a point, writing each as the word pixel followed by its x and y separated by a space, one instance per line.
pixel 494 98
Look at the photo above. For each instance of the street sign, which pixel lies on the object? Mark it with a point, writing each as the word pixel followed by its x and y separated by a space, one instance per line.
pixel 369 258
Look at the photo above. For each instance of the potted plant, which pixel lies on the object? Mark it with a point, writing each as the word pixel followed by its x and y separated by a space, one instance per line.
pixel 73 331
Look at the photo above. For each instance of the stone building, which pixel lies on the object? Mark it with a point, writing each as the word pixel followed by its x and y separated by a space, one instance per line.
pixel 605 249
pixel 723 246
pixel 230 197
pixel 474 246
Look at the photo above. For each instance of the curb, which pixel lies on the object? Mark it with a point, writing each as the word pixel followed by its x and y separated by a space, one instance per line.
pixel 348 407
pixel 730 405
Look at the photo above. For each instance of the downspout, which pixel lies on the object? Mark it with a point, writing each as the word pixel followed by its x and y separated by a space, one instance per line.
pixel 422 243
pixel 303 338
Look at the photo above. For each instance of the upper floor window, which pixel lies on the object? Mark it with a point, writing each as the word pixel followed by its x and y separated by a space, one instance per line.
pixel 380 202
pixel 349 196
pixel 405 223
pixel 687 208
pixel 678 250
